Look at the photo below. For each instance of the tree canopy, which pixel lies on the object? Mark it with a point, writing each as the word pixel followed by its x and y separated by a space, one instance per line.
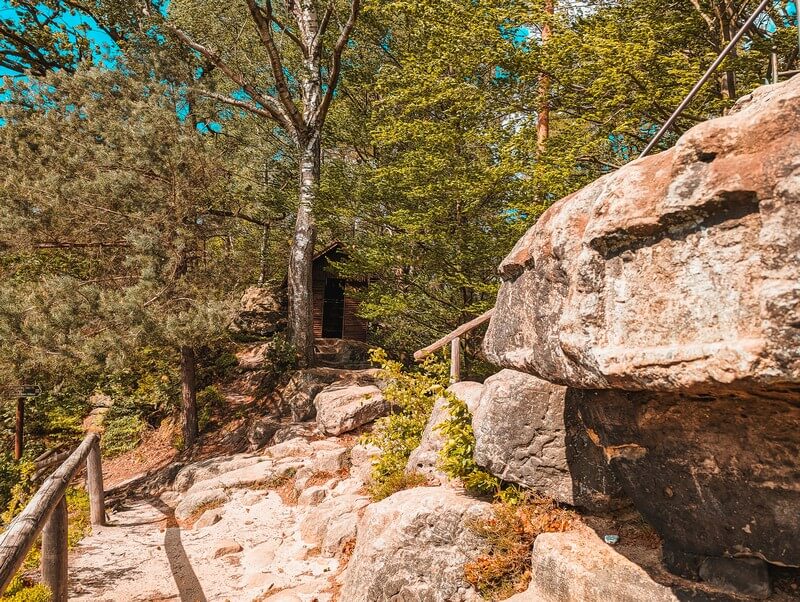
pixel 159 158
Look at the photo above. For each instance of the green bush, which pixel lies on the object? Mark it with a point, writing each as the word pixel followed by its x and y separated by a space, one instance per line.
pixel 80 524
pixel 456 456
pixel 122 434
pixel 412 395
pixel 209 400
pixel 15 487
pixel 20 591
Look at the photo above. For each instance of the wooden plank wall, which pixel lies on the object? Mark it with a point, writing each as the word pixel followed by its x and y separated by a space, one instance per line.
pixel 354 327
pixel 318 290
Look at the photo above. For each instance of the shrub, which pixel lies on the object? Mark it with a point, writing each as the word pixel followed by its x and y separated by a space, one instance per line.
pixel 79 515
pixel 209 400
pixel 456 456
pixel 122 434
pixel 412 395
pixel 281 355
pixel 503 568
pixel 20 591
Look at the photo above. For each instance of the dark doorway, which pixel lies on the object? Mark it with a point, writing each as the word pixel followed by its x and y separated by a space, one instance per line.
pixel 333 309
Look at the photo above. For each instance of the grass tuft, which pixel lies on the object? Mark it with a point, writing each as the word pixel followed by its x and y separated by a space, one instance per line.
pixel 503 569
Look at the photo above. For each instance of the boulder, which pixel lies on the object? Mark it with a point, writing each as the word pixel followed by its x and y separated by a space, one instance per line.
pixel 195 502
pixel 678 271
pixel 714 476
pixel 344 407
pixel 258 474
pixel 578 566
pixel 297 397
pixel 469 392
pixel 294 448
pixel 362 457
pixel 209 518
pixel 425 458
pixel 332 523
pixel 261 313
pixel 312 496
pixel 331 460
pixel 261 430
pixel 253 356
pixel 227 546
pixel 294 430
pixel 528 431
pixel 207 469
pixel 341 353
pixel 413 546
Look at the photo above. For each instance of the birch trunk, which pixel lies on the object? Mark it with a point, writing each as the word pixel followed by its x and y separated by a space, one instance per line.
pixel 543 117
pixel 301 320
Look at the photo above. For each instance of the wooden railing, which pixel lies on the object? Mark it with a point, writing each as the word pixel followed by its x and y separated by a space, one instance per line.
pixel 46 513
pixel 454 338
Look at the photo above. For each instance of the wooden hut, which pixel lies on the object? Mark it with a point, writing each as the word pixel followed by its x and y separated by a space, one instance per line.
pixel 334 306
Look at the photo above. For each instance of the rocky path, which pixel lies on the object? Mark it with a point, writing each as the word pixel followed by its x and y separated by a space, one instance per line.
pixel 268 526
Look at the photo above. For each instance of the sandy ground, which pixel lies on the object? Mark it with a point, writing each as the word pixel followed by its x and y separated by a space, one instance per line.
pixel 144 555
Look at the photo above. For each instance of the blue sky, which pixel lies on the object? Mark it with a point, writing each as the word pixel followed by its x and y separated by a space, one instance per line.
pixel 73 24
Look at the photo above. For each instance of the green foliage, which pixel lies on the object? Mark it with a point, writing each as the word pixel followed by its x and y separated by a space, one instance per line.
pixel 21 591
pixel 280 356
pixel 456 456
pixel 79 515
pixel 412 395
pixel 209 402
pixel 79 526
pixel 16 484
pixel 122 434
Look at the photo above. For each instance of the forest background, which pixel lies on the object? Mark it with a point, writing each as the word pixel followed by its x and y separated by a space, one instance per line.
pixel 144 186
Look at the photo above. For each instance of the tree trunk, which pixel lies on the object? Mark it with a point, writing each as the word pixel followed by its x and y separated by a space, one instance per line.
pixel 301 321
pixel 543 117
pixel 189 396
pixel 727 78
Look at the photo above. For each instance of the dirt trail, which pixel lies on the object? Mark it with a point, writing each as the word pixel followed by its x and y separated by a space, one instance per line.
pixel 144 555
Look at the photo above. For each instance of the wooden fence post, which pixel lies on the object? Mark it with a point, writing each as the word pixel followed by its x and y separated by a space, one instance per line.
pixel 455 360
pixel 54 552
pixel 94 485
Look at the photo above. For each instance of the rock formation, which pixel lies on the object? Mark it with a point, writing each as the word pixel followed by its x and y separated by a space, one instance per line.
pixel 669 292
pixel 413 546
pixel 343 407
pixel 528 431
pixel 678 271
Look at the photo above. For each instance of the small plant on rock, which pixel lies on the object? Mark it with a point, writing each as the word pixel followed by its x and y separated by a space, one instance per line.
pixel 456 456
pixel 412 394
pixel 503 568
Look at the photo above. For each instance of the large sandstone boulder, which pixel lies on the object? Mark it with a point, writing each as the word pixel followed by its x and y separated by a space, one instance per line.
pixel 413 546
pixel 677 278
pixel 297 397
pixel 714 476
pixel 425 458
pixel 528 431
pixel 262 313
pixel 678 271
pixel 343 407
pixel 578 566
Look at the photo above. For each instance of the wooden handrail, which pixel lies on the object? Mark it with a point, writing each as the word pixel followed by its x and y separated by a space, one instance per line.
pixel 454 338
pixel 46 513
pixel 463 329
